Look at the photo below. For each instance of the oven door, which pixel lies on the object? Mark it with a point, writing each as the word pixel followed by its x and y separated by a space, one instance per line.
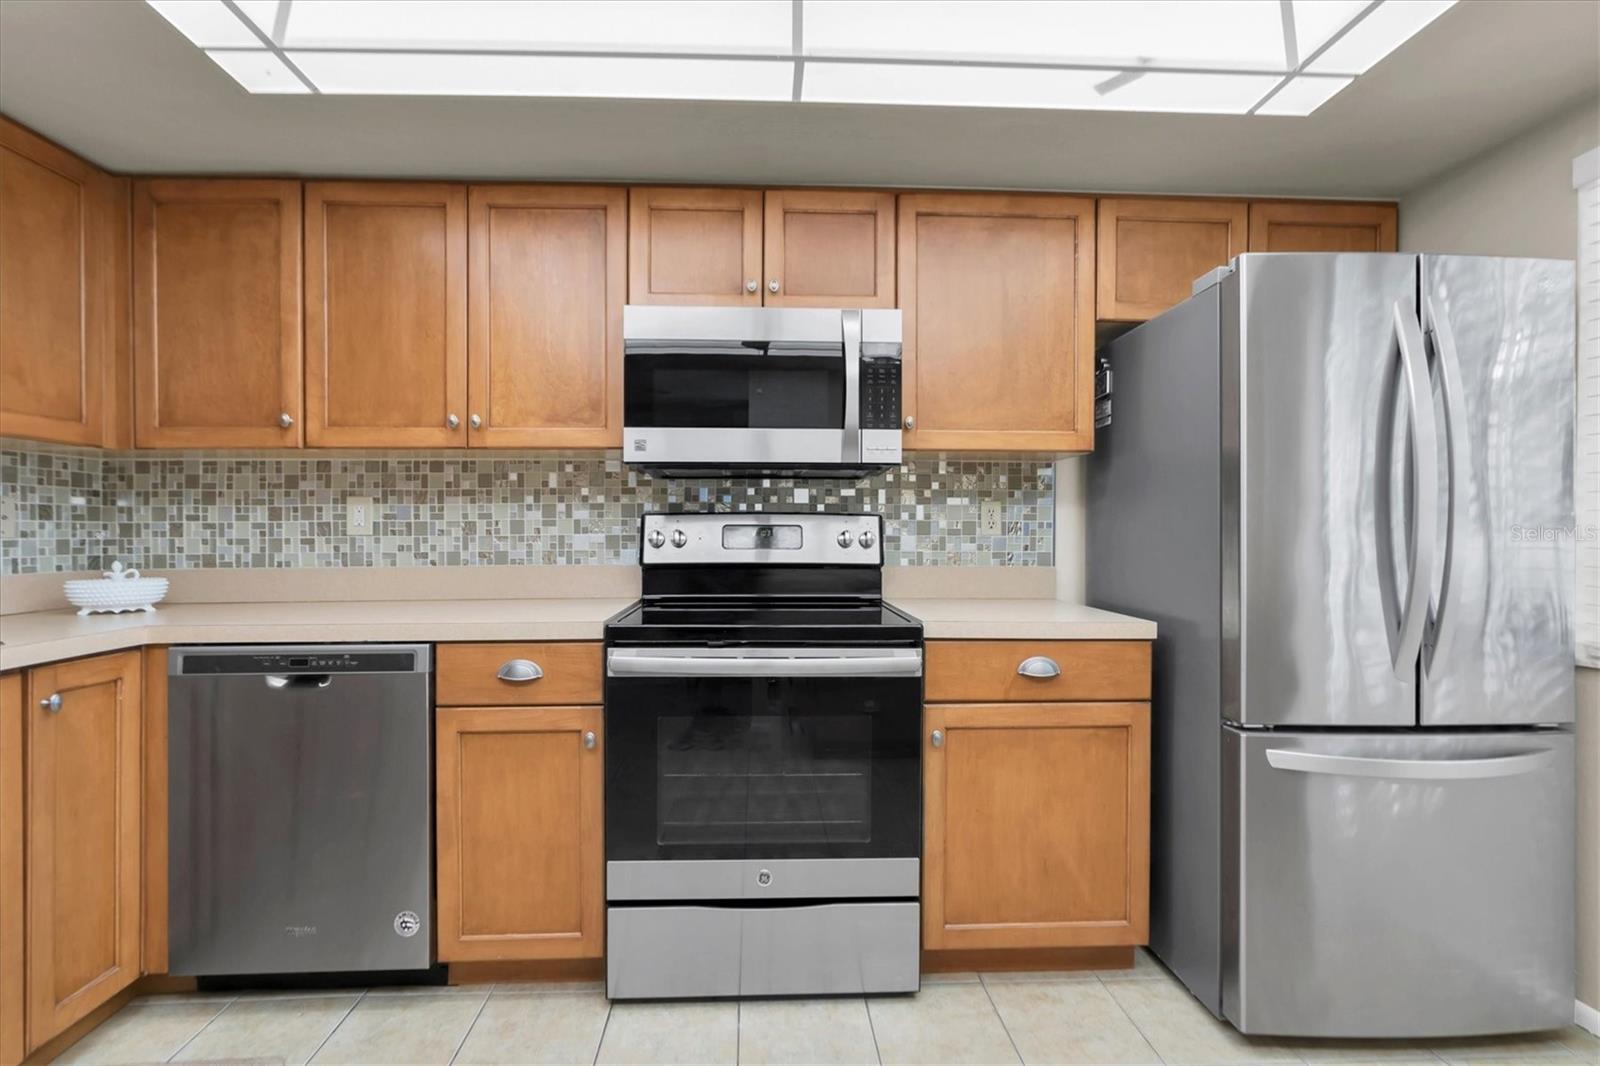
pixel 730 772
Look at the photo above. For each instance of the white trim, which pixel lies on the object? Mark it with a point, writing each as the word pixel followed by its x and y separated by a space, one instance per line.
pixel 1586 168
pixel 1585 1016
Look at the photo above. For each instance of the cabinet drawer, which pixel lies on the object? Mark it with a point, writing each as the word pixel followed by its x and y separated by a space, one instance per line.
pixel 1060 670
pixel 470 674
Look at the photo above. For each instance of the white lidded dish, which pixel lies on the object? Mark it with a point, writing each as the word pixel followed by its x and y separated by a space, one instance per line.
pixel 117 591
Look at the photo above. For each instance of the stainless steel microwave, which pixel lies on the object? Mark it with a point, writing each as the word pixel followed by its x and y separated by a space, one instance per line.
pixel 755 390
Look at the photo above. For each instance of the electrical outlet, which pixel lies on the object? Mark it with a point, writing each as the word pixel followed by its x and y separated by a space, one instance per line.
pixel 989 512
pixel 9 521
pixel 358 516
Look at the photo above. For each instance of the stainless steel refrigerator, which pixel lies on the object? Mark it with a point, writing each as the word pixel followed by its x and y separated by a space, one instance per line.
pixel 1342 485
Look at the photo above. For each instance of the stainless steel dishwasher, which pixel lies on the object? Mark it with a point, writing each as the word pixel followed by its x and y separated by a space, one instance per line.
pixel 300 827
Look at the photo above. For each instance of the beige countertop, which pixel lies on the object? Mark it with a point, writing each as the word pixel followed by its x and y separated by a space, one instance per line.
pixel 47 636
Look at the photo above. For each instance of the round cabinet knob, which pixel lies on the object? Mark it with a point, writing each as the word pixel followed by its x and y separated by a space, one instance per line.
pixel 772 286
pixel 845 537
pixel 286 420
pixel 911 422
pixel 656 538
pixel 476 422
pixel 51 703
pixel 867 539
pixel 937 738
pixel 452 421
pixel 589 741
pixel 752 285
pixel 679 538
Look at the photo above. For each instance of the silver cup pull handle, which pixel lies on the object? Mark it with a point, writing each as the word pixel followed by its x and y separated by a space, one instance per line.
pixel 1040 666
pixel 519 671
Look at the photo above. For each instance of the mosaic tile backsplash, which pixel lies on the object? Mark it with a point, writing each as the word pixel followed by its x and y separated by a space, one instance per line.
pixel 77 509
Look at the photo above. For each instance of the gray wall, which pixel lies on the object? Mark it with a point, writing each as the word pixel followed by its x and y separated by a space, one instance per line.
pixel 1518 199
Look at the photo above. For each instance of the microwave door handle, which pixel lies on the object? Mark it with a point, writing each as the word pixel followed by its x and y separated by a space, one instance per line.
pixel 851 451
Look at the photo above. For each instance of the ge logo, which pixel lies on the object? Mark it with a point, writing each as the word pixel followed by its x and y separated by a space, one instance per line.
pixel 764 878
pixel 406 923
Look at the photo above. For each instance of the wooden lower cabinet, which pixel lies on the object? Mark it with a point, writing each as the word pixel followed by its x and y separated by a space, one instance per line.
pixel 12 916
pixel 520 864
pixel 1036 821
pixel 81 838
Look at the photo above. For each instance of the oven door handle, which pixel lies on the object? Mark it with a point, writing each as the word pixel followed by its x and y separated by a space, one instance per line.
pixel 767 662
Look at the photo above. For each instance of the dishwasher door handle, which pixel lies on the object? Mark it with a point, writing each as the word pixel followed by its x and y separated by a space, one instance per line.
pixel 298 680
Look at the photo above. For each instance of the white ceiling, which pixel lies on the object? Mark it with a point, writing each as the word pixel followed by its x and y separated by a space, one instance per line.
pixel 113 81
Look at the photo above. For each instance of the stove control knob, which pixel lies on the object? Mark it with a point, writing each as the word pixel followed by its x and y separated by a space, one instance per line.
pixel 656 538
pixel 845 537
pixel 867 538
pixel 679 538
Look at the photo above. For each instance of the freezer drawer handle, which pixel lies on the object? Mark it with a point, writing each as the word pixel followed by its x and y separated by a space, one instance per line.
pixel 1041 666
pixel 1310 762
pixel 518 671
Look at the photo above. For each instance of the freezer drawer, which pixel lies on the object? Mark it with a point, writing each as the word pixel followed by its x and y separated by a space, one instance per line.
pixel 1397 885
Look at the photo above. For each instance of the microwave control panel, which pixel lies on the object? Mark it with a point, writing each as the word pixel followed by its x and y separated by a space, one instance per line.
pixel 880 393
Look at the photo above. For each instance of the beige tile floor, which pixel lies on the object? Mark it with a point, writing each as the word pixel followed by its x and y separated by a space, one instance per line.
pixel 1139 1015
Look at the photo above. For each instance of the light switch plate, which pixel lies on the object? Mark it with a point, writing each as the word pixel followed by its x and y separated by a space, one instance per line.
pixel 9 521
pixel 358 516
pixel 989 512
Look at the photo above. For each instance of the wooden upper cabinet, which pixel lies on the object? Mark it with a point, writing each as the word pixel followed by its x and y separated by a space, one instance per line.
pixel 59 233
pixel 1037 829
pixel 694 246
pixel 82 838
pixel 548 279
pixel 1310 226
pixel 825 248
pixel 521 873
pixel 216 278
pixel 997 294
pixel 386 314
pixel 1151 251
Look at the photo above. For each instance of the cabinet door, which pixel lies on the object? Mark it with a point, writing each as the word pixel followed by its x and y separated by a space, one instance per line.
pixel 694 246
pixel 82 838
pixel 1037 825
pixel 216 280
pixel 1151 251
pixel 547 285
pixel 521 872
pixel 829 249
pixel 12 916
pixel 1323 227
pixel 998 301
pixel 58 221
pixel 386 315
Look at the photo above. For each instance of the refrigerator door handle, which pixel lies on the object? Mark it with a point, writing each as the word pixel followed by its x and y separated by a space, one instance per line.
pixel 1421 439
pixel 1449 364
pixel 1310 762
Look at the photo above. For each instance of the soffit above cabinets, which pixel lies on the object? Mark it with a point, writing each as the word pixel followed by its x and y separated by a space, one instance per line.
pixel 1234 57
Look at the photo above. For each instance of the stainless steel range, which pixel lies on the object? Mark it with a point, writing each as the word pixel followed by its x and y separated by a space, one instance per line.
pixel 763 784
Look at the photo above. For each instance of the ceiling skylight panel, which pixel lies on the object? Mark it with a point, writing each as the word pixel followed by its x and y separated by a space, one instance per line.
pixel 1388 27
pixel 1315 21
pixel 207 23
pixel 746 26
pixel 1114 33
pixel 259 71
pixel 1303 95
pixel 453 74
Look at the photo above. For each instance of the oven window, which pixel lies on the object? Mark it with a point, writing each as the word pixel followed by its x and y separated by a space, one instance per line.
pixel 741 779
pixel 730 768
pixel 732 391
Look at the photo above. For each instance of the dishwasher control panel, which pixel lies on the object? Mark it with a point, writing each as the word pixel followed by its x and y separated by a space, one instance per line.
pixel 335 659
